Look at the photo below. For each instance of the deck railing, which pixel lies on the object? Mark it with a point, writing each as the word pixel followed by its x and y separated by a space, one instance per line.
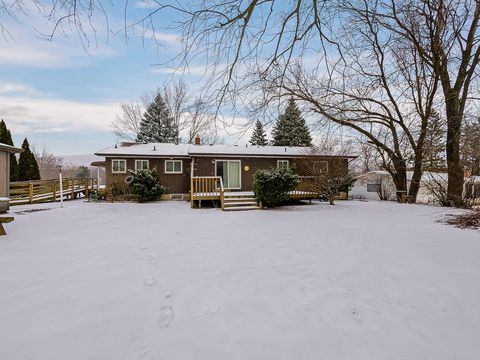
pixel 29 192
pixel 206 188
pixel 305 189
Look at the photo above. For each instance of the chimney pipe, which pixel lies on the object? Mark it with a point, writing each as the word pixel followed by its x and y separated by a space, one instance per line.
pixel 198 141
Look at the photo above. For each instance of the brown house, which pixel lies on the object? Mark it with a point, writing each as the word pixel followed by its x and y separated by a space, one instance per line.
pixel 205 172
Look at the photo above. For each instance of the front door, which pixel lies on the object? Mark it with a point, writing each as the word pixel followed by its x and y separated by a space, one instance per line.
pixel 229 171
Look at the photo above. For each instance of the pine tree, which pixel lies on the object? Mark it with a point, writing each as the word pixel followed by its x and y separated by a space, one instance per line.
pixel 27 164
pixel 6 138
pixel 434 145
pixel 157 124
pixel 291 128
pixel 259 137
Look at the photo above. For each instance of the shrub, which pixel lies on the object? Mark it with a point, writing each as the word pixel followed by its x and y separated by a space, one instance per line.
pixel 271 187
pixel 117 189
pixel 145 186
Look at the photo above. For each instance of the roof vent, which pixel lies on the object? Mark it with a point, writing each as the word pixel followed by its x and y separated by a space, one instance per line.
pixel 154 148
pixel 116 147
pixel 285 149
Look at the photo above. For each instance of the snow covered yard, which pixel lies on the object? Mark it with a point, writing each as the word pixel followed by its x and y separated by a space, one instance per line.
pixel 361 280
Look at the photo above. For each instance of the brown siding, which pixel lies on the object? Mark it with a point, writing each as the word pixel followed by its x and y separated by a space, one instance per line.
pixel 205 166
pixel 175 183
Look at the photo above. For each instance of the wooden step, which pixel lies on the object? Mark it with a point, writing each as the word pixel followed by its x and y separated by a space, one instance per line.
pixel 239 200
pixel 240 203
pixel 241 208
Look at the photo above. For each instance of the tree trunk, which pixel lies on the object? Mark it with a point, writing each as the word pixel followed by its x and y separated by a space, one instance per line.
pixel 400 176
pixel 455 171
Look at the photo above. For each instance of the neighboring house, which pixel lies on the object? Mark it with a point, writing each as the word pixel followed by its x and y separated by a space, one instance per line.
pixel 178 165
pixel 378 185
pixel 5 151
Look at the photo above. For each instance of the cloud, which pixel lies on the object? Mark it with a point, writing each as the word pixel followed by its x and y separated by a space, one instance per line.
pixel 8 88
pixel 26 115
pixel 147 4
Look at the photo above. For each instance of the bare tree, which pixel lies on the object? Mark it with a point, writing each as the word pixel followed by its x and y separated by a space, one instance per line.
pixel 327 178
pixel 127 124
pixel 191 116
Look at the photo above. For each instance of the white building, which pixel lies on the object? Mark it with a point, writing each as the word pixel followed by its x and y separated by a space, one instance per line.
pixel 378 185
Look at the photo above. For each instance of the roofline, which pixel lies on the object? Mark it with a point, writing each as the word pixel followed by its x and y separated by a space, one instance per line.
pixel 188 156
pixel 10 149
pixel 271 155
pixel 143 155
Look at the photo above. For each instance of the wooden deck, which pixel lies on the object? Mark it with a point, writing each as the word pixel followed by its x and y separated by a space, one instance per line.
pixel 30 192
pixel 211 188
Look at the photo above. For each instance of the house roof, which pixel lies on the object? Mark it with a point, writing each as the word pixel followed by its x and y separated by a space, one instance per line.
pixel 141 149
pixel 179 150
pixel 9 148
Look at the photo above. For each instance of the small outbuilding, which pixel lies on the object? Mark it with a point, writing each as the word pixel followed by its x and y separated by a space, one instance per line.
pixel 5 152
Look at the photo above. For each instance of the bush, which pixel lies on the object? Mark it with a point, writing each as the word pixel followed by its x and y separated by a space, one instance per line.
pixel 271 187
pixel 117 189
pixel 145 186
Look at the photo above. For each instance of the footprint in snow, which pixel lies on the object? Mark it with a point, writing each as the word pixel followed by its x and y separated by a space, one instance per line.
pixel 166 317
pixel 152 260
pixel 207 311
pixel 140 351
pixel 150 281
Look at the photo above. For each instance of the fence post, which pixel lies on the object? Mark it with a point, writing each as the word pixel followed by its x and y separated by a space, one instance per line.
pixel 73 189
pixel 54 190
pixel 86 180
pixel 30 192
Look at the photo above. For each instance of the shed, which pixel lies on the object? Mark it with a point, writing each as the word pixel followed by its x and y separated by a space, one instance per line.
pixel 5 152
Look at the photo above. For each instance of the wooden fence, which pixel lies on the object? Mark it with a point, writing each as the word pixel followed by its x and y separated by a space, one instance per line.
pixel 29 192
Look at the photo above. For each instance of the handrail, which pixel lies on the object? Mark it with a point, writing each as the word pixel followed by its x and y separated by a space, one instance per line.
pixel 29 192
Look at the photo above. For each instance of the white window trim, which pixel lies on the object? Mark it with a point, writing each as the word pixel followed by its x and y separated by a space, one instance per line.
pixel 138 160
pixel 173 172
pixel 282 161
pixel 240 168
pixel 119 172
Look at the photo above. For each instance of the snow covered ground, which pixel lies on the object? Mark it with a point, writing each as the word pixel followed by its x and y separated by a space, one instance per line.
pixel 360 280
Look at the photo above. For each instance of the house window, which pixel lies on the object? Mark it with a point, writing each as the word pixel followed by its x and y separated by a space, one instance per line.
pixel 141 165
pixel 374 187
pixel 282 164
pixel 173 166
pixel 119 166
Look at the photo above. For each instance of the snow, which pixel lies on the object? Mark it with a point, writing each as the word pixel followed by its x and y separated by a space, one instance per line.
pixel 163 149
pixel 359 280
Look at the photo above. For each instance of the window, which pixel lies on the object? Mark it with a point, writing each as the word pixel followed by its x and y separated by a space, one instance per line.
pixel 141 165
pixel 173 166
pixel 282 164
pixel 119 166
pixel 373 187
pixel 320 167
pixel 230 172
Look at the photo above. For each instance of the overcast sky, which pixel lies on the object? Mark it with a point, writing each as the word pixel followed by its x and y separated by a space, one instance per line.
pixel 64 97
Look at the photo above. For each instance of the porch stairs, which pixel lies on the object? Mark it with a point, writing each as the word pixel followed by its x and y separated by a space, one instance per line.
pixel 238 201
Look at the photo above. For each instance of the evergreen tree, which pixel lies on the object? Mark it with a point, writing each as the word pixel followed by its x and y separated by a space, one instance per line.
pixel 27 164
pixel 291 128
pixel 434 146
pixel 6 138
pixel 157 124
pixel 470 145
pixel 259 137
